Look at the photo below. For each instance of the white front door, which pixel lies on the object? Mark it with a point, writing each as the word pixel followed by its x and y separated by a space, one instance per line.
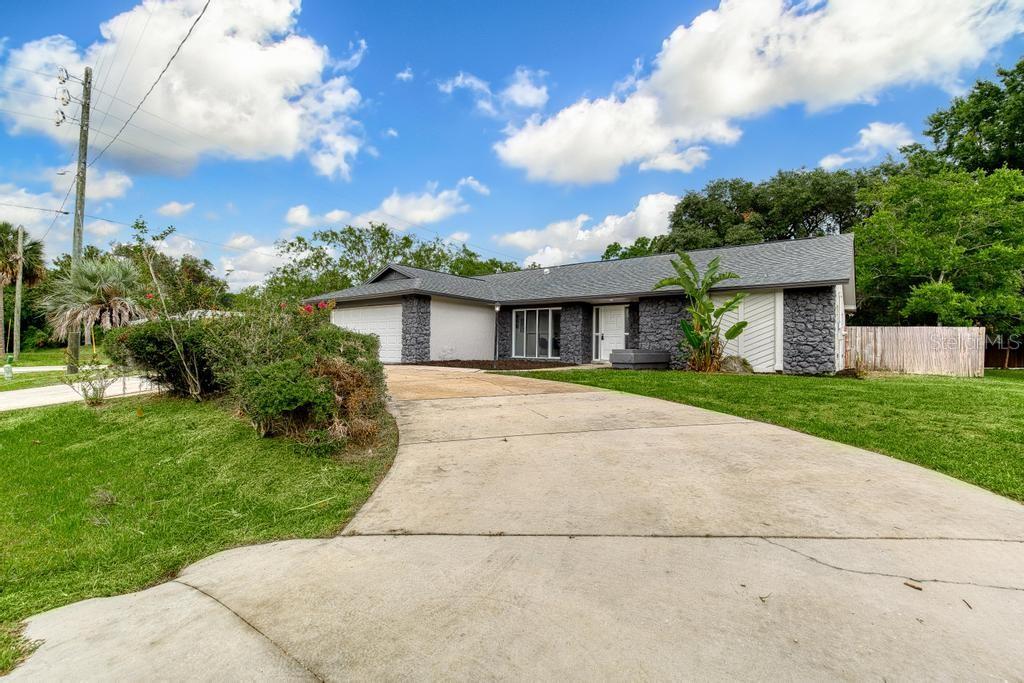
pixel 609 330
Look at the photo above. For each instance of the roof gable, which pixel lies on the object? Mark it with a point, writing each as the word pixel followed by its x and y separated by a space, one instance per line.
pixel 392 271
pixel 791 263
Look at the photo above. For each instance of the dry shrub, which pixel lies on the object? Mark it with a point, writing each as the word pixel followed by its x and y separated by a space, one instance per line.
pixel 357 396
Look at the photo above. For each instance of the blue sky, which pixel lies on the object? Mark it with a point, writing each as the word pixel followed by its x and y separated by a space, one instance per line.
pixel 271 108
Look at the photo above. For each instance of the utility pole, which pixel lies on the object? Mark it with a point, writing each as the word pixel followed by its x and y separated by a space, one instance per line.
pixel 17 292
pixel 76 242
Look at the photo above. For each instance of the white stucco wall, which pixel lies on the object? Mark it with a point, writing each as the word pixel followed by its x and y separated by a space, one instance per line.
pixel 460 330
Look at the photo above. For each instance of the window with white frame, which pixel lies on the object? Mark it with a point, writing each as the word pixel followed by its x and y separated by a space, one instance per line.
pixel 536 333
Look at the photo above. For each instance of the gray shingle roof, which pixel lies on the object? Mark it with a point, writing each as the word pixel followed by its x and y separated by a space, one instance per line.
pixel 823 260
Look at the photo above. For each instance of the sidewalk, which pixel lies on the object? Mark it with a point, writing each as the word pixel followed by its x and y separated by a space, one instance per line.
pixel 61 393
pixel 20 370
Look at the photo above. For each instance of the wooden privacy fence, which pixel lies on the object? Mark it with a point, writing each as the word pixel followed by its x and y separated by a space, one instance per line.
pixel 957 351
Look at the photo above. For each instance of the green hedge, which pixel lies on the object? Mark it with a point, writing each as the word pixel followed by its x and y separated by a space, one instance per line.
pixel 289 372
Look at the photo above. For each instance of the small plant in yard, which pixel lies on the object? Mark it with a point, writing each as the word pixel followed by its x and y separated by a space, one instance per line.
pixel 92 382
pixel 703 332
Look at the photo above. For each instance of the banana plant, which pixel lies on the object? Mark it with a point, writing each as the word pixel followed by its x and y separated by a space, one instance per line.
pixel 702 333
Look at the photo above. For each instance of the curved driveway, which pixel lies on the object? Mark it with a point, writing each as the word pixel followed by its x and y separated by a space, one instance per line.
pixel 530 529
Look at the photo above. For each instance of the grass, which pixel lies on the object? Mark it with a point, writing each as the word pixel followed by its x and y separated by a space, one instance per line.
pixel 105 501
pixel 36 357
pixel 971 429
pixel 30 380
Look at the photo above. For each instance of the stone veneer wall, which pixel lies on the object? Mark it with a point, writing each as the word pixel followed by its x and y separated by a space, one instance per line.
pixel 503 329
pixel 577 334
pixel 633 326
pixel 809 331
pixel 415 328
pixel 659 326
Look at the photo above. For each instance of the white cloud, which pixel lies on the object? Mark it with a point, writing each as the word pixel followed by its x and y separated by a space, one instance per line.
pixel 748 57
pixel 405 75
pixel 300 216
pixel 525 90
pixel 99 184
pixel 249 261
pixel 247 85
pixel 480 88
pixel 874 140
pixel 460 236
pixel 177 245
pixel 474 184
pixel 401 211
pixel 36 222
pixel 357 51
pixel 174 208
pixel 102 228
pixel 336 216
pixel 577 239
pixel 391 133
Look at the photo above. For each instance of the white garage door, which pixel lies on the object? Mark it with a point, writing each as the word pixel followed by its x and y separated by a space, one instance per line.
pixel 383 321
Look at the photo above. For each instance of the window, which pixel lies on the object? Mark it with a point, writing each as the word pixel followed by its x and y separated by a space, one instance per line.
pixel 536 333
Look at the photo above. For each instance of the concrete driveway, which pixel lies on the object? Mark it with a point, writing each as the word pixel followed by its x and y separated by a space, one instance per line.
pixel 538 530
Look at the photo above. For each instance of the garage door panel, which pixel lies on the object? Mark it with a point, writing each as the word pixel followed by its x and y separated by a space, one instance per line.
pixel 758 340
pixel 383 321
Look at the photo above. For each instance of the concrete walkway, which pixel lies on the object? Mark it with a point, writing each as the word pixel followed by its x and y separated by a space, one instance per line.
pixel 26 369
pixel 61 393
pixel 538 530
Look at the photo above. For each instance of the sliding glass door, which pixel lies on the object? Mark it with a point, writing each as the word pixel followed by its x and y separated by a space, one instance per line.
pixel 536 333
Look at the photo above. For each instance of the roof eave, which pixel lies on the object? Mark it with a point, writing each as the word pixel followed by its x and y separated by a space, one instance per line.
pixel 672 292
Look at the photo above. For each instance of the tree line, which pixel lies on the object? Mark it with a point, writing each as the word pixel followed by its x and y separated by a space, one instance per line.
pixel 939 235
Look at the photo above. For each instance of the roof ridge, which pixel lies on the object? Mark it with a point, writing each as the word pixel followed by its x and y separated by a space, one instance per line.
pixel 793 240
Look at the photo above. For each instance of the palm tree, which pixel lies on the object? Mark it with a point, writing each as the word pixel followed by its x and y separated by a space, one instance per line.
pixel 703 332
pixel 33 269
pixel 99 292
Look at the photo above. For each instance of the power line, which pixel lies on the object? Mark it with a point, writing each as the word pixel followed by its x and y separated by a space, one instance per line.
pixel 29 92
pixel 33 208
pixel 56 216
pixel 158 77
pixel 161 118
pixel 25 113
pixel 127 66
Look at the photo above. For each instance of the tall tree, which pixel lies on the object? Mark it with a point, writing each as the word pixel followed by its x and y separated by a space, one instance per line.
pixel 189 282
pixel 100 292
pixel 33 269
pixel 984 130
pixel 789 205
pixel 339 258
pixel 943 247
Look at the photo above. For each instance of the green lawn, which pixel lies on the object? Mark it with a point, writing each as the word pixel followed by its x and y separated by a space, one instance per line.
pixel 31 380
pixel 37 357
pixel 971 429
pixel 105 501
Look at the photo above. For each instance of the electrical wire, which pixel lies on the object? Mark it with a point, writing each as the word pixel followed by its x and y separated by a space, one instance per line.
pixel 153 86
pixel 29 92
pixel 127 66
pixel 25 113
pixel 33 208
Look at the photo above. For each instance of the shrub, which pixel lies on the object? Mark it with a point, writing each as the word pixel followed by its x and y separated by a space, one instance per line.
pixel 289 371
pixel 35 338
pixel 284 398
pixel 150 348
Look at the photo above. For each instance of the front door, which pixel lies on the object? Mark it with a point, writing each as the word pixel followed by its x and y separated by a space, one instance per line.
pixel 609 330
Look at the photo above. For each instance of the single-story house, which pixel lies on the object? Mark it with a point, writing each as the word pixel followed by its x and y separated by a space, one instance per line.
pixel 798 293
